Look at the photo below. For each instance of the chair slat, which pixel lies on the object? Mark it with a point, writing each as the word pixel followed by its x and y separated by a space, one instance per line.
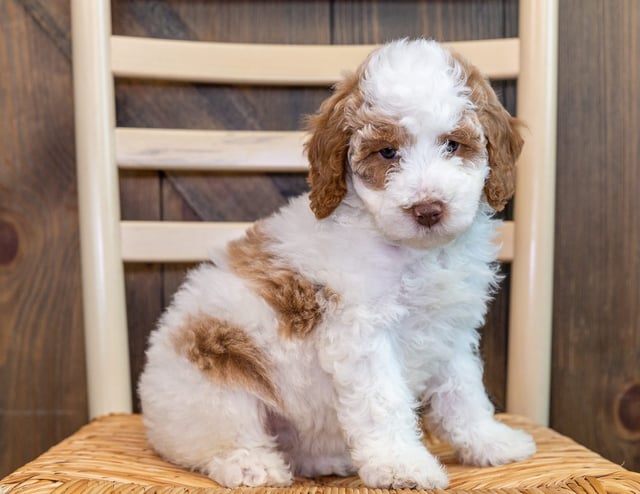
pixel 162 149
pixel 166 241
pixel 505 239
pixel 303 65
pixel 169 241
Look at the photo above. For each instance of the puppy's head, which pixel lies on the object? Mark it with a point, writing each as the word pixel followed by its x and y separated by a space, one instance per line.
pixel 420 137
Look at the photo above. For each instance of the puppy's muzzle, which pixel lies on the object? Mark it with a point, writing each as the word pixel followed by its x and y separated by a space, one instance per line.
pixel 428 213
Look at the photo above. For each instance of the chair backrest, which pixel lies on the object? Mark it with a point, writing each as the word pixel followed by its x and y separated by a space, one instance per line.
pixel 103 149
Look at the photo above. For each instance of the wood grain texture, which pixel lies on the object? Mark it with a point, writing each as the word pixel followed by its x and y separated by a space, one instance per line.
pixel 143 281
pixel 193 241
pixel 597 277
pixel 384 20
pixel 42 383
pixel 279 64
pixel 210 150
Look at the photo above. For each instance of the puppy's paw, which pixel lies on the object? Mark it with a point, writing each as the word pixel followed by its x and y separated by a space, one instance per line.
pixel 253 468
pixel 496 444
pixel 415 469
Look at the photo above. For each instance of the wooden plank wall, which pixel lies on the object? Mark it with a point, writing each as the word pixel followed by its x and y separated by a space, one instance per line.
pixel 41 347
pixel 596 315
pixel 596 373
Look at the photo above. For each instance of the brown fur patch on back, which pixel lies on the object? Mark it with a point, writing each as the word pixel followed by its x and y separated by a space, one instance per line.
pixel 225 353
pixel 299 302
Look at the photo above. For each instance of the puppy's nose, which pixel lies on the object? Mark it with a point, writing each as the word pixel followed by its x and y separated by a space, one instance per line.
pixel 428 213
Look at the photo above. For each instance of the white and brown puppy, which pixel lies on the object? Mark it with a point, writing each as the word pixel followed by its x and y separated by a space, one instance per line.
pixel 308 346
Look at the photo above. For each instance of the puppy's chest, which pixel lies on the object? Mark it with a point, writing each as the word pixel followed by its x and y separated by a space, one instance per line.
pixel 445 301
pixel 422 284
pixel 436 280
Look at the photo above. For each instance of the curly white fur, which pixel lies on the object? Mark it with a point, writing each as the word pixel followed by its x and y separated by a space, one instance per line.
pixel 399 303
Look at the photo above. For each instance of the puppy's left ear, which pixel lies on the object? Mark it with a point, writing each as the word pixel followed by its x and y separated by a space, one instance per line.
pixel 504 142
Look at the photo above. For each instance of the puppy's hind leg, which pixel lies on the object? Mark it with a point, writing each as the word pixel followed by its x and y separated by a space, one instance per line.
pixel 251 457
pixel 218 431
pixel 205 408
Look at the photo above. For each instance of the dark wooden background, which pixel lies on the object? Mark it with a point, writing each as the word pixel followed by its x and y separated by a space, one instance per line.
pixel 596 371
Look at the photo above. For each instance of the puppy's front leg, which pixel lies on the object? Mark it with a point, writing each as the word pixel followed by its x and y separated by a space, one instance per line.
pixel 376 409
pixel 461 413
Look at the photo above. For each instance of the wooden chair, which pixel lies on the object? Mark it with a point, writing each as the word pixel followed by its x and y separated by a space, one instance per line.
pixel 110 453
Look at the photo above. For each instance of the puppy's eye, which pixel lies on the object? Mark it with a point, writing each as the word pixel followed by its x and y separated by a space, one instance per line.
pixel 451 146
pixel 388 153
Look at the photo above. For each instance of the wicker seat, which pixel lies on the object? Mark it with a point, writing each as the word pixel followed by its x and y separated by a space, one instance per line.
pixel 110 454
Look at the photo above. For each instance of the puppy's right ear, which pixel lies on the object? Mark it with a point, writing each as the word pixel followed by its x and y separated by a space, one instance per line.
pixel 327 148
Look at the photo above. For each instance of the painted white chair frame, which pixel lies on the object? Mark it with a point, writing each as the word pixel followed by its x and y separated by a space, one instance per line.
pixel 107 242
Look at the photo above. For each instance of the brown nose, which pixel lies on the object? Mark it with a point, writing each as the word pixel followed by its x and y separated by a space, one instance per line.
pixel 428 213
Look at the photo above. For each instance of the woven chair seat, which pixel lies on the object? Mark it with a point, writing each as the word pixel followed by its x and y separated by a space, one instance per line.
pixel 111 454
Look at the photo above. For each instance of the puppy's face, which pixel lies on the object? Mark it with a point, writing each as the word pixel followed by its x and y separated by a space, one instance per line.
pixel 421 138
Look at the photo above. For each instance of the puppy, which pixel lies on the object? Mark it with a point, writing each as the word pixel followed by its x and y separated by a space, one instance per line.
pixel 316 343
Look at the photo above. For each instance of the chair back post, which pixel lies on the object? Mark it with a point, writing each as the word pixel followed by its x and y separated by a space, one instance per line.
pixel 530 318
pixel 106 342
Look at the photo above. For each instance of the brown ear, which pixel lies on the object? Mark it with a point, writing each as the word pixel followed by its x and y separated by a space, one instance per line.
pixel 504 142
pixel 327 148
